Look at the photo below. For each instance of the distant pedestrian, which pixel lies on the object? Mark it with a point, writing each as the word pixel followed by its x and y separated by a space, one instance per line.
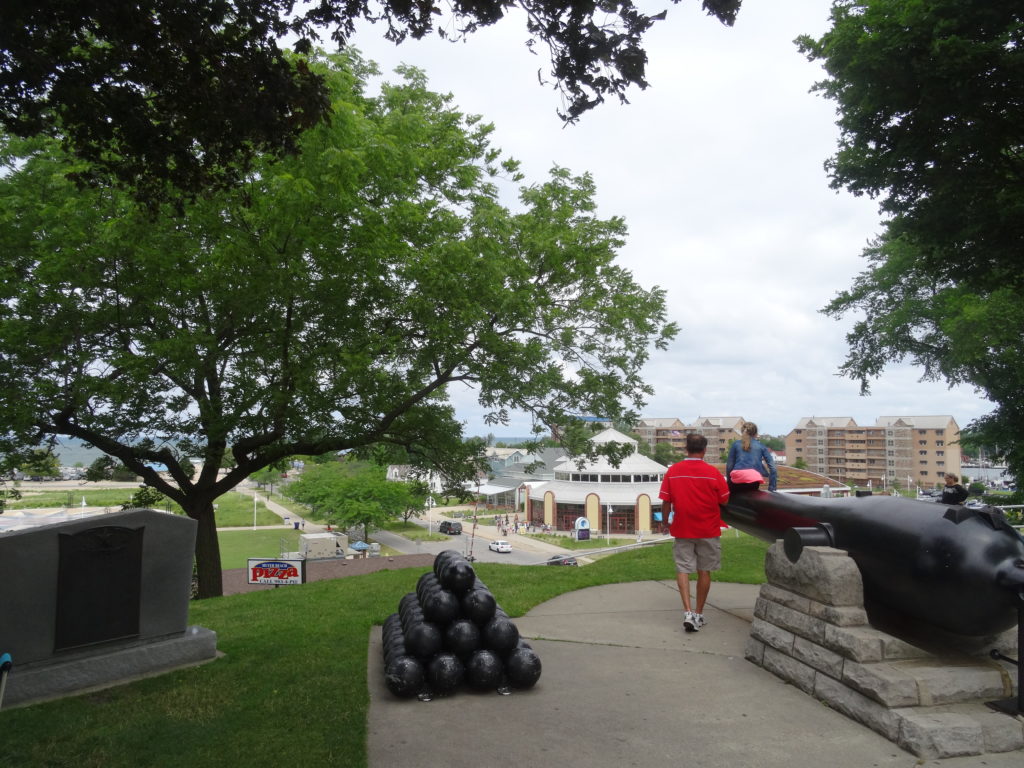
pixel 691 493
pixel 749 461
pixel 953 493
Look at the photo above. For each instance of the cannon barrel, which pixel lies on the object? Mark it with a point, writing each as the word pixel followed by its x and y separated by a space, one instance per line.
pixel 958 569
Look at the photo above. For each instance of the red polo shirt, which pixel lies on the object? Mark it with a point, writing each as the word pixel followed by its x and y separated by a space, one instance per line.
pixel 695 489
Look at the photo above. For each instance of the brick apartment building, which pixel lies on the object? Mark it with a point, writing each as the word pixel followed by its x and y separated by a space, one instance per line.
pixel 654 431
pixel 912 450
pixel 719 430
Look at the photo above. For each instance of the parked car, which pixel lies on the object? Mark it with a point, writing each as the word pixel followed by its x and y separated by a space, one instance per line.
pixel 499 546
pixel 562 560
pixel 447 526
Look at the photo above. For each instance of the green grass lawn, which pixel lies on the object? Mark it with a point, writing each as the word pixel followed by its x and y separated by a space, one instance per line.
pixel 94 497
pixel 236 547
pixel 296 508
pixel 570 542
pixel 292 684
pixel 235 509
pixel 414 532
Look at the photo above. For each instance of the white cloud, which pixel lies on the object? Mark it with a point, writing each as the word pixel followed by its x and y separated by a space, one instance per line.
pixel 718 171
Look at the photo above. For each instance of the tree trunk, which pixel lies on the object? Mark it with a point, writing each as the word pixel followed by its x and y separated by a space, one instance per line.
pixel 208 569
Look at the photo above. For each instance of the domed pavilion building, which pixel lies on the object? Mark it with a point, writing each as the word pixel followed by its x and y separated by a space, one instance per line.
pixel 620 500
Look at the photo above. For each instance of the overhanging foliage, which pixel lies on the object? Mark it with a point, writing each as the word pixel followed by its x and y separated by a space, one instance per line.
pixel 930 95
pixel 329 303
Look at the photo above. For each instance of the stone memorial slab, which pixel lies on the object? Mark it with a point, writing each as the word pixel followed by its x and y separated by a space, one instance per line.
pixel 93 602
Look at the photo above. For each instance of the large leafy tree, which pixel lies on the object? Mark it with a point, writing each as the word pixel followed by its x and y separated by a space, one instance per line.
pixel 665 453
pixel 327 304
pixel 361 498
pixel 930 95
pixel 172 98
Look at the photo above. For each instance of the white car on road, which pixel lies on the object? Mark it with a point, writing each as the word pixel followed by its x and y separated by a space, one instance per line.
pixel 499 546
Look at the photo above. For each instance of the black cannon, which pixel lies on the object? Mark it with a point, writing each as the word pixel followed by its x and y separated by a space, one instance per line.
pixel 955 568
pixel 958 569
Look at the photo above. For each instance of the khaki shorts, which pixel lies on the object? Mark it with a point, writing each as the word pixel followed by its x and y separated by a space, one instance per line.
pixel 697 554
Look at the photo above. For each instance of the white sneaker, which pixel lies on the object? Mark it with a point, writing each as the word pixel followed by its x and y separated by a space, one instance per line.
pixel 698 621
pixel 690 622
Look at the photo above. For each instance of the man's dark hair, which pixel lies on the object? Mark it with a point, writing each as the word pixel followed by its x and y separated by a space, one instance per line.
pixel 696 443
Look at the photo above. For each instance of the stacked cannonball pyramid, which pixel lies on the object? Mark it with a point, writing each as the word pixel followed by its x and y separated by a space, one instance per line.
pixel 451 632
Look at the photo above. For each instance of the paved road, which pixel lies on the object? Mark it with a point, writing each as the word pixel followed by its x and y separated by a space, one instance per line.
pixel 466 544
pixel 525 551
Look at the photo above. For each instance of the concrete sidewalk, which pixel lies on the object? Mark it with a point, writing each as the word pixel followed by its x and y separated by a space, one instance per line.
pixel 624 685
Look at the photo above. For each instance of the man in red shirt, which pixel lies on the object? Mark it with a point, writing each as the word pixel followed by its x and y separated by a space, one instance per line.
pixel 690 496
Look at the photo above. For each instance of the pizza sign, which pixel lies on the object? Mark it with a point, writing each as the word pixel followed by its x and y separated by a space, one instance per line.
pixel 276 571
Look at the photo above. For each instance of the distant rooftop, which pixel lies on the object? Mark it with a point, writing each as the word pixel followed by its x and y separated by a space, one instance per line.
pixel 808 422
pixel 922 422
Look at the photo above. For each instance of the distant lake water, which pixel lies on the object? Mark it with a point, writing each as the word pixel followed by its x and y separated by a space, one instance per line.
pixel 986 474
pixel 71 452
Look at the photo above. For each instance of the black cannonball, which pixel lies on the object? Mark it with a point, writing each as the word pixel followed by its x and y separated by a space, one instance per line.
pixel 442 560
pixel 395 647
pixel 426 579
pixel 522 667
pixel 440 606
pixel 484 670
pixel 462 637
pixel 478 605
pixel 445 672
pixel 410 613
pixel 410 620
pixel 423 639
pixel 458 575
pixel 500 634
pixel 408 603
pixel 404 676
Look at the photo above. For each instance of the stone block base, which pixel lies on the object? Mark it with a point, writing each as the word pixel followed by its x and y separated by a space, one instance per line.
pixel 102 667
pixel 810 629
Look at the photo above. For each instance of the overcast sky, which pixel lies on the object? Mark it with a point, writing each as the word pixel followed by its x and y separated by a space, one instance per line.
pixel 717 170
